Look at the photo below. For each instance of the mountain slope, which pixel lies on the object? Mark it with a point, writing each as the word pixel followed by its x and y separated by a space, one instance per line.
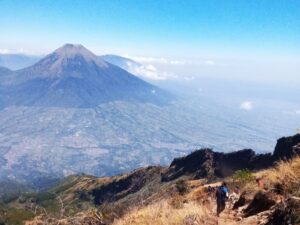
pixel 138 196
pixel 72 76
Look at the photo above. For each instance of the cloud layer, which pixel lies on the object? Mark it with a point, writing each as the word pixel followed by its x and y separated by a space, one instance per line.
pixel 148 71
pixel 247 105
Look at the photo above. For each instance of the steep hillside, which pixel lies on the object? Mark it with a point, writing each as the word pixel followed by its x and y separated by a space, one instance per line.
pixel 138 197
pixel 255 205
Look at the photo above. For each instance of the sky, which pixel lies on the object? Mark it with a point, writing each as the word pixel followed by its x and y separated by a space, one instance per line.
pixel 257 39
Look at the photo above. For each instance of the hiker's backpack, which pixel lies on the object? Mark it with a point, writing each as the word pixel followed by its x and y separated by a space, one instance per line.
pixel 222 193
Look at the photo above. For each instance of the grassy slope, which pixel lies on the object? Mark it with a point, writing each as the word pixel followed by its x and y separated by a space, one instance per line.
pixel 174 203
pixel 193 207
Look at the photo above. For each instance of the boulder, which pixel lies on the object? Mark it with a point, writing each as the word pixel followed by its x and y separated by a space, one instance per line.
pixel 262 201
pixel 287 148
pixel 286 213
pixel 244 199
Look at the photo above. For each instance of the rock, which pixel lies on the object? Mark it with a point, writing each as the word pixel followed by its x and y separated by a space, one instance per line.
pixel 243 200
pixel 205 163
pixel 197 164
pixel 287 147
pixel 286 213
pixel 262 201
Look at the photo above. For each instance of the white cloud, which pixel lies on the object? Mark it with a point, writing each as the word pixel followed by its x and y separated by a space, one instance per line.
pixel 4 51
pixel 209 62
pixel 247 105
pixel 298 112
pixel 148 72
pixel 13 51
pixel 160 60
pixel 177 62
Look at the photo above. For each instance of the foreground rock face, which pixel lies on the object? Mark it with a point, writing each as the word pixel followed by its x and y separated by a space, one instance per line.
pixel 245 198
pixel 286 213
pixel 206 163
pixel 261 202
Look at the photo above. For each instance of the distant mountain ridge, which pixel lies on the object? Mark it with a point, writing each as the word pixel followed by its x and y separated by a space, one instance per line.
pixel 17 61
pixel 72 76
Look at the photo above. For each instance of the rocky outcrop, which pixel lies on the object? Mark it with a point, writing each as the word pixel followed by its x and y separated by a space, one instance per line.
pixel 287 147
pixel 245 198
pixel 197 164
pixel 261 202
pixel 205 163
pixel 286 213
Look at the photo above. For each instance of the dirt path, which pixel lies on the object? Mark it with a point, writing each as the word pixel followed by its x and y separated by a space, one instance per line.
pixel 230 217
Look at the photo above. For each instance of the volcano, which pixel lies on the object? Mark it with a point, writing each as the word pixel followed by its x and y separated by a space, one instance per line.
pixel 72 76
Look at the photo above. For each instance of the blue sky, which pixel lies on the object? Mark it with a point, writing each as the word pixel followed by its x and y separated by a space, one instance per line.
pixel 148 26
pixel 260 30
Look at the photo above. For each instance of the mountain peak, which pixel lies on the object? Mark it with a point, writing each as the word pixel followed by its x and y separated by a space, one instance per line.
pixel 71 51
pixel 70 60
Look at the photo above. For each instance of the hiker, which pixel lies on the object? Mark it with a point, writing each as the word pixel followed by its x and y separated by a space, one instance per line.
pixel 236 190
pixel 260 182
pixel 234 196
pixel 221 196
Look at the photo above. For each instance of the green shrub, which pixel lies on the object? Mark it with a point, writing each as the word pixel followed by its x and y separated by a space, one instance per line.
pixel 181 187
pixel 243 176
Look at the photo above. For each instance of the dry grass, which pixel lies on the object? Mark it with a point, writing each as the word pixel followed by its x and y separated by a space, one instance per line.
pixel 196 206
pixel 285 174
pixel 163 213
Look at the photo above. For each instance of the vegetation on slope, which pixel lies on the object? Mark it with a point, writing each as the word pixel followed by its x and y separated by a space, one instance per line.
pixel 144 196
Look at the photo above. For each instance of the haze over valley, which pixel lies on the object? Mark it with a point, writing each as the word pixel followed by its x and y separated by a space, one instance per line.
pixel 74 112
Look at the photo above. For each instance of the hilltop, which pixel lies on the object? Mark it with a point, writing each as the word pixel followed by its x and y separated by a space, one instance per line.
pixel 142 194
